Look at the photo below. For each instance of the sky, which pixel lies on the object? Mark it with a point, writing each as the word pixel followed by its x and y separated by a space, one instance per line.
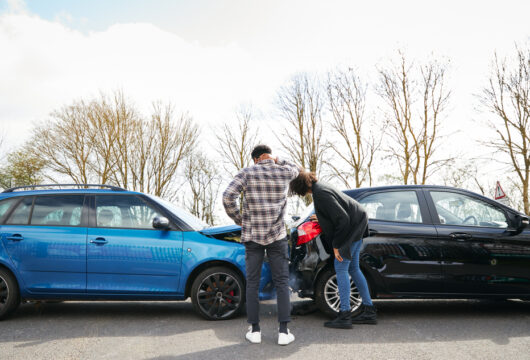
pixel 209 57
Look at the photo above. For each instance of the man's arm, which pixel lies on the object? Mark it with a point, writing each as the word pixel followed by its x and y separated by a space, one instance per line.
pixel 230 196
pixel 292 169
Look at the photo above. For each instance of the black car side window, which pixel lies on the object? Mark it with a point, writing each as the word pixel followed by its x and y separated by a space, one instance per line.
pixel 459 209
pixel 57 210
pixel 20 215
pixel 402 206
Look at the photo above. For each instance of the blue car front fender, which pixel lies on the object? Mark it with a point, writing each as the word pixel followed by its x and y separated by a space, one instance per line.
pixel 199 251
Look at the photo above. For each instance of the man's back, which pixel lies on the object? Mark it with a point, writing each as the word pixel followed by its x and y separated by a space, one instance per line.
pixel 264 188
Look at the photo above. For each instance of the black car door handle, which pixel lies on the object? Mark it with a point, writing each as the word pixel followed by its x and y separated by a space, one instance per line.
pixel 372 232
pixel 460 236
pixel 99 241
pixel 15 237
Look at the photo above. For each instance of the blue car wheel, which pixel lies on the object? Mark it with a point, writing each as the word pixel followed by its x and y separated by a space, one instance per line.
pixel 218 293
pixel 9 294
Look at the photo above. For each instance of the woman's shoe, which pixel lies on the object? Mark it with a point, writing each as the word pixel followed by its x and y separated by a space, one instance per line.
pixel 342 321
pixel 367 315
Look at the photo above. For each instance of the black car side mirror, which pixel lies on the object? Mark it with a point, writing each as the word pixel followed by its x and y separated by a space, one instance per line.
pixel 520 223
pixel 161 223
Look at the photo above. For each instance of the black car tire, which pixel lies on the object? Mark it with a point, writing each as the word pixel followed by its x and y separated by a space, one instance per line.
pixel 9 294
pixel 320 296
pixel 218 293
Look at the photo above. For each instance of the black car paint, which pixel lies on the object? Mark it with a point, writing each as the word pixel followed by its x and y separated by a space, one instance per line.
pixel 407 260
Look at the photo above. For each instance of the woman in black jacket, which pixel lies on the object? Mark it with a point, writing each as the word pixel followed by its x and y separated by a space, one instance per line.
pixel 344 223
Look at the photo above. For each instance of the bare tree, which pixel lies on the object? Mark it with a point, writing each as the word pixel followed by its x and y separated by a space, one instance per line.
pixel 347 100
pixel 204 182
pixel 301 103
pixel 236 143
pixel 65 144
pixel 106 140
pixel 507 97
pixel 416 99
pixel 173 143
pixel 468 175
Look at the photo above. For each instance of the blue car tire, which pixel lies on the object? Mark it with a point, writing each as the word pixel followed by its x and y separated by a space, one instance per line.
pixel 218 293
pixel 9 294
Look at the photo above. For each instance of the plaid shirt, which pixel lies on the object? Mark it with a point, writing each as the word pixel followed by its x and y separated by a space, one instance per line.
pixel 264 188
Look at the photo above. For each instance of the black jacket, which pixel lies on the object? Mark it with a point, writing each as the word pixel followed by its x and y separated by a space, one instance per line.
pixel 342 219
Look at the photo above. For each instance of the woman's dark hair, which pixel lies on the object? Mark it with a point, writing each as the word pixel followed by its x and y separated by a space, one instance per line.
pixel 301 184
pixel 260 150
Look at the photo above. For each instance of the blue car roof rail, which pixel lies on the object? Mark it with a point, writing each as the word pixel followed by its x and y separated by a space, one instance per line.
pixel 80 186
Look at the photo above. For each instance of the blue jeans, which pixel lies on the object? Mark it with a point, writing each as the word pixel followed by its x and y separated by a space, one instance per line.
pixel 351 267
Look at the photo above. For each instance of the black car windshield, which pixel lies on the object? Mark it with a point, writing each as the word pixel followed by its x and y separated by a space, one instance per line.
pixel 192 221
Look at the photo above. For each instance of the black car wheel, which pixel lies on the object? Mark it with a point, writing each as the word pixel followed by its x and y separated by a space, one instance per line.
pixel 218 293
pixel 327 294
pixel 9 294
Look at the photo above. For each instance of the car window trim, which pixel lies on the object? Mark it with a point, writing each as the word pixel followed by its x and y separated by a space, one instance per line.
pixel 423 218
pixel 21 198
pixel 436 219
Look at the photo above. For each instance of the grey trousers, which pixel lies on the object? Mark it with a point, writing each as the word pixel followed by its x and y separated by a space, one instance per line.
pixel 277 253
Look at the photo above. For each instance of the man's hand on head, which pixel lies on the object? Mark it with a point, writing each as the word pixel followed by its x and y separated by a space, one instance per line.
pixel 266 157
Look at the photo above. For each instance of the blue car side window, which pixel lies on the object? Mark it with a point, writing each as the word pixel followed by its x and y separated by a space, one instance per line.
pixel 122 211
pixel 57 210
pixel 20 216
pixel 5 205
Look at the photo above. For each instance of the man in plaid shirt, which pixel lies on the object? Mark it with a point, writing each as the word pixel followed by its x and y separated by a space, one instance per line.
pixel 264 187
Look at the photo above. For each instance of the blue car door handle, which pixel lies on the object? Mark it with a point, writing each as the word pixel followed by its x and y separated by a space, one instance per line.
pixel 99 241
pixel 15 237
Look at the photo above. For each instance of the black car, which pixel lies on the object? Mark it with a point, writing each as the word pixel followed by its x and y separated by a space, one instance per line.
pixel 425 242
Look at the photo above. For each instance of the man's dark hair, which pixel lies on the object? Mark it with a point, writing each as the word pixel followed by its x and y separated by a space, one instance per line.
pixel 301 184
pixel 260 150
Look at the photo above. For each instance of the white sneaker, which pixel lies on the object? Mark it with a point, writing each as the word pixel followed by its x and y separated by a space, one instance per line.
pixel 253 337
pixel 285 339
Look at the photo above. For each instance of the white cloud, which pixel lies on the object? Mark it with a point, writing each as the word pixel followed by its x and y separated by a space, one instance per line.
pixel 45 64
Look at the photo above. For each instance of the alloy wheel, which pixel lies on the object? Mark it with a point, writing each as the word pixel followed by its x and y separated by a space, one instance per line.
pixel 219 295
pixel 331 295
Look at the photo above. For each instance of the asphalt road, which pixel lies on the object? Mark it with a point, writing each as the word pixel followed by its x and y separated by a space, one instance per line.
pixel 171 330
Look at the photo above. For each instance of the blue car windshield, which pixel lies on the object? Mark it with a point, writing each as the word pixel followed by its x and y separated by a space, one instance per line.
pixel 192 221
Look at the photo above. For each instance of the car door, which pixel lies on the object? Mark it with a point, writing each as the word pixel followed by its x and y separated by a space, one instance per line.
pixel 403 243
pixel 480 254
pixel 126 255
pixel 45 237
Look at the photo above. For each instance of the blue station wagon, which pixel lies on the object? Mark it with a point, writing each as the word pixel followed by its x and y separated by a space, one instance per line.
pixel 106 243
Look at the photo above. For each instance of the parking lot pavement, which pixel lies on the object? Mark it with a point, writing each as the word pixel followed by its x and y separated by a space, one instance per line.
pixel 421 329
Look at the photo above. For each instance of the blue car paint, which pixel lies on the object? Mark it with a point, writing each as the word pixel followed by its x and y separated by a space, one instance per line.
pixel 48 258
pixel 50 264
pixel 133 261
pixel 199 249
